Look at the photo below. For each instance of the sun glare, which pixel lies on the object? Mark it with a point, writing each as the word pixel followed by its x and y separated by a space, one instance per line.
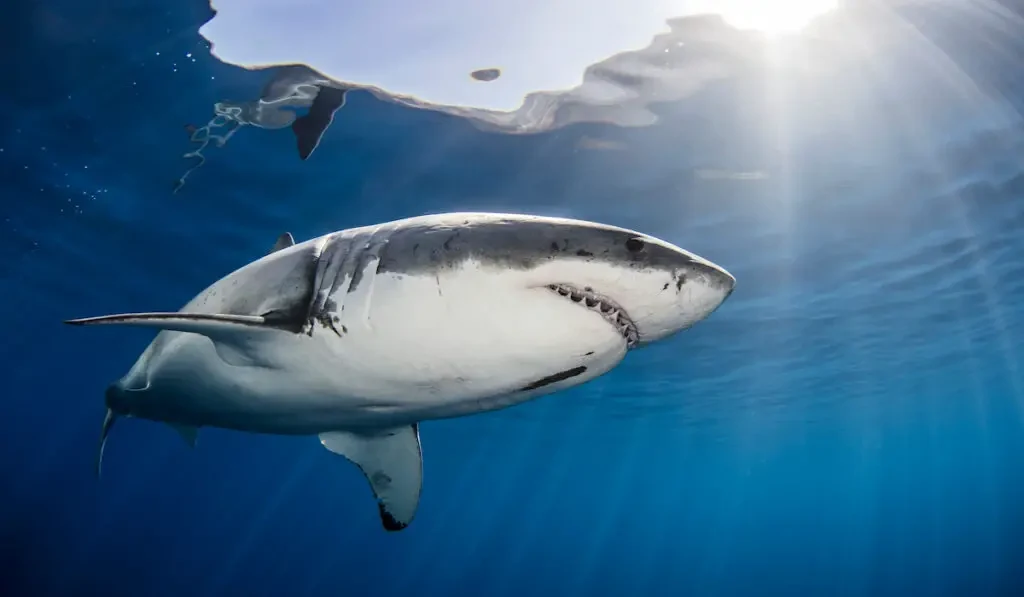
pixel 773 17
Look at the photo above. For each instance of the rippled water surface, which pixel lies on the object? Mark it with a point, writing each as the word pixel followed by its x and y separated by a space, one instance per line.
pixel 848 423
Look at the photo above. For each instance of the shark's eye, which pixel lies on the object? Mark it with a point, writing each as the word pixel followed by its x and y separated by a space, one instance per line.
pixel 634 245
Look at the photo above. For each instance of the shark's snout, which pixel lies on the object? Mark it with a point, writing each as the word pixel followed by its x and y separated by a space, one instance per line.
pixel 645 287
pixel 717 279
pixel 716 285
pixel 673 291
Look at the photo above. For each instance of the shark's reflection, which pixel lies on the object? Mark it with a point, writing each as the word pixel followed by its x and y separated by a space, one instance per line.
pixel 291 87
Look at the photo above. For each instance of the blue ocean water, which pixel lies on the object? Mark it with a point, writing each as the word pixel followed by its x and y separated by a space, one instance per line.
pixel 850 422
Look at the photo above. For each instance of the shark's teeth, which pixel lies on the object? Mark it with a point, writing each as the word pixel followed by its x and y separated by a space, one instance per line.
pixel 603 306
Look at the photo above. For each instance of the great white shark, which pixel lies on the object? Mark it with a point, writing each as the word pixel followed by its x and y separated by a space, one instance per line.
pixel 359 335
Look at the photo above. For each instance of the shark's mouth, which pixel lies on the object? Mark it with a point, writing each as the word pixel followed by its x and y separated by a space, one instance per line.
pixel 615 315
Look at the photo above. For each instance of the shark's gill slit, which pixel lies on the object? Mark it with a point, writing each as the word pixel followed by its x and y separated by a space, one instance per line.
pixel 557 377
pixel 615 315
pixel 372 266
pixel 325 268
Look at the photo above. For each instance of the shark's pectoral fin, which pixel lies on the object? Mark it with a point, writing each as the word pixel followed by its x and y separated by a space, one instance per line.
pixel 207 324
pixel 392 461
pixel 232 335
pixel 187 433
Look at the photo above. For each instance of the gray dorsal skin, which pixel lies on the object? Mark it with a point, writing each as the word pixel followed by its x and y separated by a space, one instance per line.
pixel 309 128
pixel 283 242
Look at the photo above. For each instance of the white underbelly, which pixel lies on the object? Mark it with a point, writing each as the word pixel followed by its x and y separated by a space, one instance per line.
pixel 408 349
pixel 449 339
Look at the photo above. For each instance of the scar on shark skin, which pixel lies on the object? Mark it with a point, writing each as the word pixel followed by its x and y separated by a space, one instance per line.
pixel 327 317
pixel 679 278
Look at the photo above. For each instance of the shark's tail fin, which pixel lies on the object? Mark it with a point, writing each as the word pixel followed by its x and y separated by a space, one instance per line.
pixel 108 424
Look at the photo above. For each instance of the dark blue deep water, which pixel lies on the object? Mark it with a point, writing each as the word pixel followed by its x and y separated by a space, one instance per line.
pixel 850 422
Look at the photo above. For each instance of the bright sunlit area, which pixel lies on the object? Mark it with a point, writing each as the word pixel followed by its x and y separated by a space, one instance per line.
pixel 779 17
pixel 467 53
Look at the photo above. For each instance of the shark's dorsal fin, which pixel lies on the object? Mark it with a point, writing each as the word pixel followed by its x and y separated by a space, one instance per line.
pixel 283 242
pixel 393 464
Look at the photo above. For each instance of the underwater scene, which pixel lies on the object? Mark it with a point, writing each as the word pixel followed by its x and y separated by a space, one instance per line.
pixel 659 297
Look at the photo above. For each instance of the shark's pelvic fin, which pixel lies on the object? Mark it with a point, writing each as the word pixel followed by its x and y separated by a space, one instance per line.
pixel 392 461
pixel 283 242
pixel 187 433
pixel 108 424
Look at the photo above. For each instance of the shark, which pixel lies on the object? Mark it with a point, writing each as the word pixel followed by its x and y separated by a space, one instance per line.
pixel 360 335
